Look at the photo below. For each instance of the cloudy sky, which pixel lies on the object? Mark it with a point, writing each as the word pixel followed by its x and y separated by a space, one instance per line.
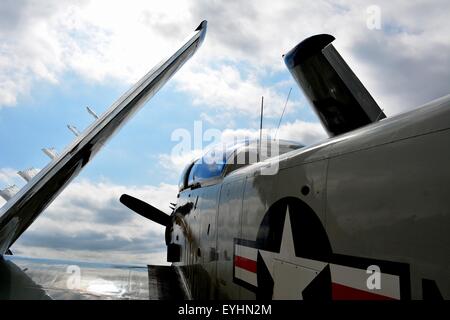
pixel 57 57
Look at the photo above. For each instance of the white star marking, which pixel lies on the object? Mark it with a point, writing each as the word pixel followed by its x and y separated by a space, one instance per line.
pixel 290 274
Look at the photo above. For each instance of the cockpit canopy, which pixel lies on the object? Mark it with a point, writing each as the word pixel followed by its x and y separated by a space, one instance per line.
pixel 222 159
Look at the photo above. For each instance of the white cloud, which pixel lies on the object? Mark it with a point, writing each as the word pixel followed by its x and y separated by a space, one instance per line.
pixel 303 132
pixel 125 40
pixel 29 47
pixel 101 40
pixel 87 221
pixel 397 63
pixel 226 89
pixel 9 176
pixel 174 163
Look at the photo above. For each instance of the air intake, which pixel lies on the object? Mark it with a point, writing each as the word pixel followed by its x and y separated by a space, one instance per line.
pixel 338 97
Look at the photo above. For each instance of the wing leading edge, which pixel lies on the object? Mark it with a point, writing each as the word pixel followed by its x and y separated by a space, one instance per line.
pixel 20 211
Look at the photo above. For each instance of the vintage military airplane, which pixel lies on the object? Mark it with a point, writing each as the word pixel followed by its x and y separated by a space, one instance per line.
pixel 363 214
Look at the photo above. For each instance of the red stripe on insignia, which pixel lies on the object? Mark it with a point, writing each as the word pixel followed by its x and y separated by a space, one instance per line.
pixel 245 263
pixel 341 292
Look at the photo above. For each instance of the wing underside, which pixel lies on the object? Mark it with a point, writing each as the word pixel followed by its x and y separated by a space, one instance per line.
pixel 21 210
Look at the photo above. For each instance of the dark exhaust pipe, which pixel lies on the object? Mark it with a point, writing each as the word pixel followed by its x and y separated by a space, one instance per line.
pixel 338 97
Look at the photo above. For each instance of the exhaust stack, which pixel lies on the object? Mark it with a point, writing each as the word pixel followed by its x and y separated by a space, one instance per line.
pixel 339 99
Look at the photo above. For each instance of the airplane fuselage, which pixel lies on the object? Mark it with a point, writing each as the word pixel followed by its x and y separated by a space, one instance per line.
pixel 377 196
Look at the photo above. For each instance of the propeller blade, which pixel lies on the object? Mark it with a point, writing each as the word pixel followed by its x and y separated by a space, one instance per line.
pixel 144 209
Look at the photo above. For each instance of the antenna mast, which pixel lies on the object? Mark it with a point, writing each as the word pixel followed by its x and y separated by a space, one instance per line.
pixel 260 128
pixel 284 109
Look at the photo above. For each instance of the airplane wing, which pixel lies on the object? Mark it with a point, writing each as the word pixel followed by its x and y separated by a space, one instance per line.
pixel 21 210
pixel 44 279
